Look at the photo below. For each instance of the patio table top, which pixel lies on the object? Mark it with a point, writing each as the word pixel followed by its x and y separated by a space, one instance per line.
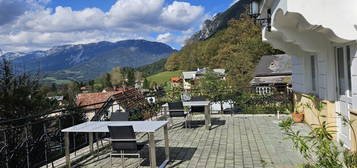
pixel 102 126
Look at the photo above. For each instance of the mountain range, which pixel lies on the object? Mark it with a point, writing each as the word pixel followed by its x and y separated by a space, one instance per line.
pixel 84 62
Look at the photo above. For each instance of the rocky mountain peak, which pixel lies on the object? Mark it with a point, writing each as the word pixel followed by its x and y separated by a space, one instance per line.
pixel 220 21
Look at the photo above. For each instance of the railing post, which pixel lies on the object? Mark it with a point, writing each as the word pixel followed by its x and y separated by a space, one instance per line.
pixel 74 138
pixel 6 150
pixel 278 114
pixel 60 137
pixel 27 146
pixel 45 133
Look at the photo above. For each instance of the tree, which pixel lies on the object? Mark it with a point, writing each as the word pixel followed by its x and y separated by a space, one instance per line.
pixel 213 86
pixel 146 84
pixel 130 78
pixel 117 78
pixel 20 94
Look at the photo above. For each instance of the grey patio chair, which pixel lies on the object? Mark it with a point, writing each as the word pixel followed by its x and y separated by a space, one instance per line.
pixel 123 143
pixel 176 109
pixel 119 116
pixel 198 98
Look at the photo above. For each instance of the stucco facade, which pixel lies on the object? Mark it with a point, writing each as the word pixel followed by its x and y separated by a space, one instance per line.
pixel 321 37
pixel 354 134
pixel 313 116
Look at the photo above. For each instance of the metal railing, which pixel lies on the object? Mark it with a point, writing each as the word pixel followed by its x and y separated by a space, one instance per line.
pixel 254 100
pixel 37 140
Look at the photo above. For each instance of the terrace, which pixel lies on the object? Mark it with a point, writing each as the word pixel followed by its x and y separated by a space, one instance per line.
pixel 251 138
pixel 234 141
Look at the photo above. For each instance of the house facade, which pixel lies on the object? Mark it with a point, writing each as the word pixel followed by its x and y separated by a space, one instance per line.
pixel 320 35
pixel 91 102
pixel 272 74
pixel 189 77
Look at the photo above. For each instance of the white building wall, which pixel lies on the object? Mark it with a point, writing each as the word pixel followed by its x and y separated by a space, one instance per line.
pixel 354 75
pixel 297 73
pixel 329 14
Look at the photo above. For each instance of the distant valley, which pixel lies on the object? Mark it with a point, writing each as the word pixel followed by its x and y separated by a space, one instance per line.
pixel 85 62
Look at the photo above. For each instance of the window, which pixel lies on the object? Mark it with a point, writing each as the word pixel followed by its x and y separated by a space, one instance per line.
pixel 344 70
pixel 348 57
pixel 313 73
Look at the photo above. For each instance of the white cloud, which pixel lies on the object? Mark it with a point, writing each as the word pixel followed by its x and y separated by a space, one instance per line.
pixel 178 38
pixel 32 26
pixel 165 37
pixel 181 15
pixel 64 19
pixel 127 11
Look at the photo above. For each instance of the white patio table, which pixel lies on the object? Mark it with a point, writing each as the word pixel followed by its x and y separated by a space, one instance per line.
pixel 149 127
pixel 206 104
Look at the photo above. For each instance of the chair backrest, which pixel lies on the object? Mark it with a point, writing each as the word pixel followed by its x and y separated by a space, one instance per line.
pixel 176 109
pixel 123 138
pixel 198 98
pixel 119 116
pixel 199 109
pixel 176 106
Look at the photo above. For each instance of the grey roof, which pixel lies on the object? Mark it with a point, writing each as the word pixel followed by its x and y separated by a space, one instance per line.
pixel 220 71
pixel 271 80
pixel 272 65
pixel 192 74
pixel 189 75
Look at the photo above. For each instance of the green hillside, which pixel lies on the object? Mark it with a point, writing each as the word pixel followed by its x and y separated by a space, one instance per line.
pixel 163 77
pixel 237 49
pixel 154 68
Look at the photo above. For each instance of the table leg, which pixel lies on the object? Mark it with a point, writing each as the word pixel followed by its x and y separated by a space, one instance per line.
pixel 97 143
pixel 152 151
pixel 91 142
pixel 167 147
pixel 207 118
pixel 97 140
pixel 66 144
pixel 166 109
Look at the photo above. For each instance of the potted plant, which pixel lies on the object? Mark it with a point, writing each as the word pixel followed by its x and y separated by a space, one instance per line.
pixel 297 115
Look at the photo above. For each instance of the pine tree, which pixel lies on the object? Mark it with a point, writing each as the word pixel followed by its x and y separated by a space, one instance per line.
pixel 146 84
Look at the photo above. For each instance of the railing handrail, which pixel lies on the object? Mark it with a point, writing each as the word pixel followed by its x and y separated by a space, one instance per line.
pixel 4 122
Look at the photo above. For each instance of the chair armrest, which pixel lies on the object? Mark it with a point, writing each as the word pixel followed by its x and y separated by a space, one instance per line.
pixel 174 110
pixel 121 140
pixel 106 139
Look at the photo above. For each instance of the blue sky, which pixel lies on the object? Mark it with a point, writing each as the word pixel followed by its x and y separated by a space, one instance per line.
pixel 27 25
pixel 211 6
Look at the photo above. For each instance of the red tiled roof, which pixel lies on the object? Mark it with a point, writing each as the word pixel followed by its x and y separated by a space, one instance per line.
pixel 130 99
pixel 176 79
pixel 92 98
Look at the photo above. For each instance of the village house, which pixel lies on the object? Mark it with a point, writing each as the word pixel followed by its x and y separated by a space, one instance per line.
pixel 130 100
pixel 175 81
pixel 273 73
pixel 189 77
pixel 321 37
pixel 92 102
